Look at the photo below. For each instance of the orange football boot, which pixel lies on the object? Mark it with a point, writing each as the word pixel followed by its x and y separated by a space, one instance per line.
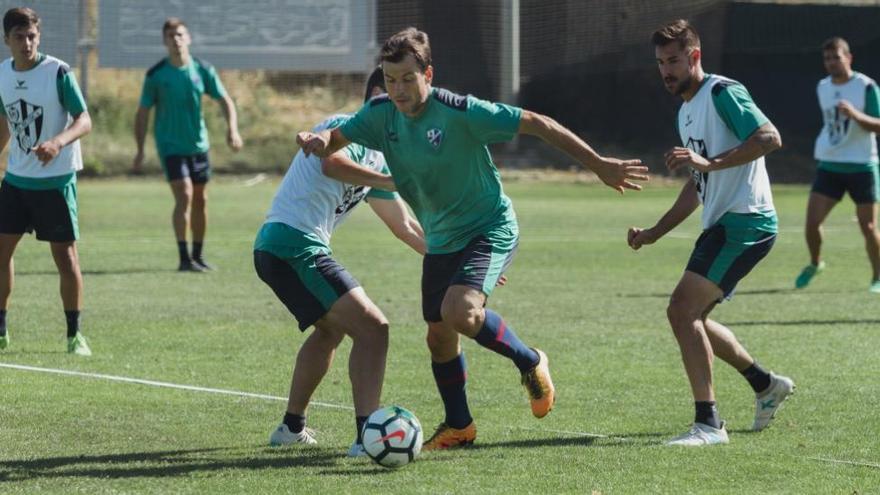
pixel 539 385
pixel 447 437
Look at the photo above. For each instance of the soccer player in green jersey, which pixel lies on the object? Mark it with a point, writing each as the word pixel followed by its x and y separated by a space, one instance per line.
pixel 435 144
pixel 724 138
pixel 846 152
pixel 42 116
pixel 175 87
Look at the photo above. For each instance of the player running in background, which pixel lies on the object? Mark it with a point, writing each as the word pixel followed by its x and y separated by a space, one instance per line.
pixel 724 139
pixel 43 111
pixel 175 87
pixel 435 143
pixel 846 150
pixel 292 255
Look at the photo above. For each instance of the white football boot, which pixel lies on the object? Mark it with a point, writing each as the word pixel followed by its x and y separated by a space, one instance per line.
pixel 283 436
pixel 769 401
pixel 356 450
pixel 701 434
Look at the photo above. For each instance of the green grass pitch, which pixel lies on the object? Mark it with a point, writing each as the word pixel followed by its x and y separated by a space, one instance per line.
pixel 576 291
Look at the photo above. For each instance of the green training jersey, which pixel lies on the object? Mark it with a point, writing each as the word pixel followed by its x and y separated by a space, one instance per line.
pixel 441 165
pixel 177 94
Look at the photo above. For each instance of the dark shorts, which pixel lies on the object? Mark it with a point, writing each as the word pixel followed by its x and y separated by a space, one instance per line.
pixel 197 167
pixel 51 213
pixel 308 288
pixel 862 186
pixel 726 255
pixel 478 265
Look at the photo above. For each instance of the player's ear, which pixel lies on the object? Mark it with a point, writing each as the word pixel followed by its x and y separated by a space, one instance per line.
pixel 429 74
pixel 695 56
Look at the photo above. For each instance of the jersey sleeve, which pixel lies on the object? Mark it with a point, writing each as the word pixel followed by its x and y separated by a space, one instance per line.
pixel 735 107
pixel 69 94
pixel 492 122
pixel 872 100
pixel 381 193
pixel 365 127
pixel 2 107
pixel 149 94
pixel 213 85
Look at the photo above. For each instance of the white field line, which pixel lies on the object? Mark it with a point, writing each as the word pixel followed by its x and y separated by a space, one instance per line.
pixel 154 383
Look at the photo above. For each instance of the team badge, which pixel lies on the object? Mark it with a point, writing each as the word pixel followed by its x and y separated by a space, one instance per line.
pixel 435 137
pixel 27 123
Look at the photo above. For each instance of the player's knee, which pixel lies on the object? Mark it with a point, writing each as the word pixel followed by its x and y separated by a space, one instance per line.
pixel 463 317
pixel 439 338
pixel 868 227
pixel 679 311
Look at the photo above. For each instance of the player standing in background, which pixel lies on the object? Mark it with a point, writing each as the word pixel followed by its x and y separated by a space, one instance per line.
pixel 44 112
pixel 436 146
pixel 846 150
pixel 725 137
pixel 175 87
pixel 292 255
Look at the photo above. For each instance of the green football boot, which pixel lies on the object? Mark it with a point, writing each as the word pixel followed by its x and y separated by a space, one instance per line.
pixel 807 274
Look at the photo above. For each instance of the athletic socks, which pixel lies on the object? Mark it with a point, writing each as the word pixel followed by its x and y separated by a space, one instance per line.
pixel 181 250
pixel 2 322
pixel 497 336
pixel 707 414
pixel 757 377
pixel 197 251
pixel 72 322
pixel 451 378
pixel 359 422
pixel 295 423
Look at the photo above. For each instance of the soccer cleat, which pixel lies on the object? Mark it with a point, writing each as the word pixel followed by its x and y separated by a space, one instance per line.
pixel 356 450
pixel 769 401
pixel 701 434
pixel 4 341
pixel 807 274
pixel 189 266
pixel 539 385
pixel 201 263
pixel 447 437
pixel 875 287
pixel 78 345
pixel 283 436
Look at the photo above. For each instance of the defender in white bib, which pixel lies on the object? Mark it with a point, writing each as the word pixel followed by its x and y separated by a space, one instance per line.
pixel 724 138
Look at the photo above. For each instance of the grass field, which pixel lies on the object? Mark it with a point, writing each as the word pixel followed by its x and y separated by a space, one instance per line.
pixel 576 291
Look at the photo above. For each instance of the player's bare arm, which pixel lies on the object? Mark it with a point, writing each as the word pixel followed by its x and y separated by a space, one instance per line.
pixel 762 142
pixel 684 205
pixel 141 119
pixel 338 166
pixel 233 138
pixel 49 149
pixel 395 215
pixel 615 173
pixel 4 133
pixel 865 121
pixel 322 143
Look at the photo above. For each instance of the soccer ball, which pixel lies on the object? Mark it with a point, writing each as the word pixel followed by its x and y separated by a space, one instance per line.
pixel 392 436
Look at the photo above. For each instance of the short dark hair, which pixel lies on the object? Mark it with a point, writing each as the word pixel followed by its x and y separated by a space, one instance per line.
pixel 19 17
pixel 836 43
pixel 679 31
pixel 410 41
pixel 376 80
pixel 172 23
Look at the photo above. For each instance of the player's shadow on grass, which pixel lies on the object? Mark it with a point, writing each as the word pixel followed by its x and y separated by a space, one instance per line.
pixel 746 292
pixel 798 323
pixel 621 440
pixel 91 273
pixel 166 463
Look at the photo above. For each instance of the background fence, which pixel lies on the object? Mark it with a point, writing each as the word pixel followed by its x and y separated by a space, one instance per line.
pixel 587 63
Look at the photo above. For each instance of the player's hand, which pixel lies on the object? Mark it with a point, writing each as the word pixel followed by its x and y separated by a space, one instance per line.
pixel 311 142
pixel 679 157
pixel 502 281
pixel 47 150
pixel 137 165
pixel 637 237
pixel 846 108
pixel 233 139
pixel 621 174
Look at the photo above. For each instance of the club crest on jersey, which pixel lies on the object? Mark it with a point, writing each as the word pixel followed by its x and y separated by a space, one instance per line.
pixel 435 137
pixel 27 123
